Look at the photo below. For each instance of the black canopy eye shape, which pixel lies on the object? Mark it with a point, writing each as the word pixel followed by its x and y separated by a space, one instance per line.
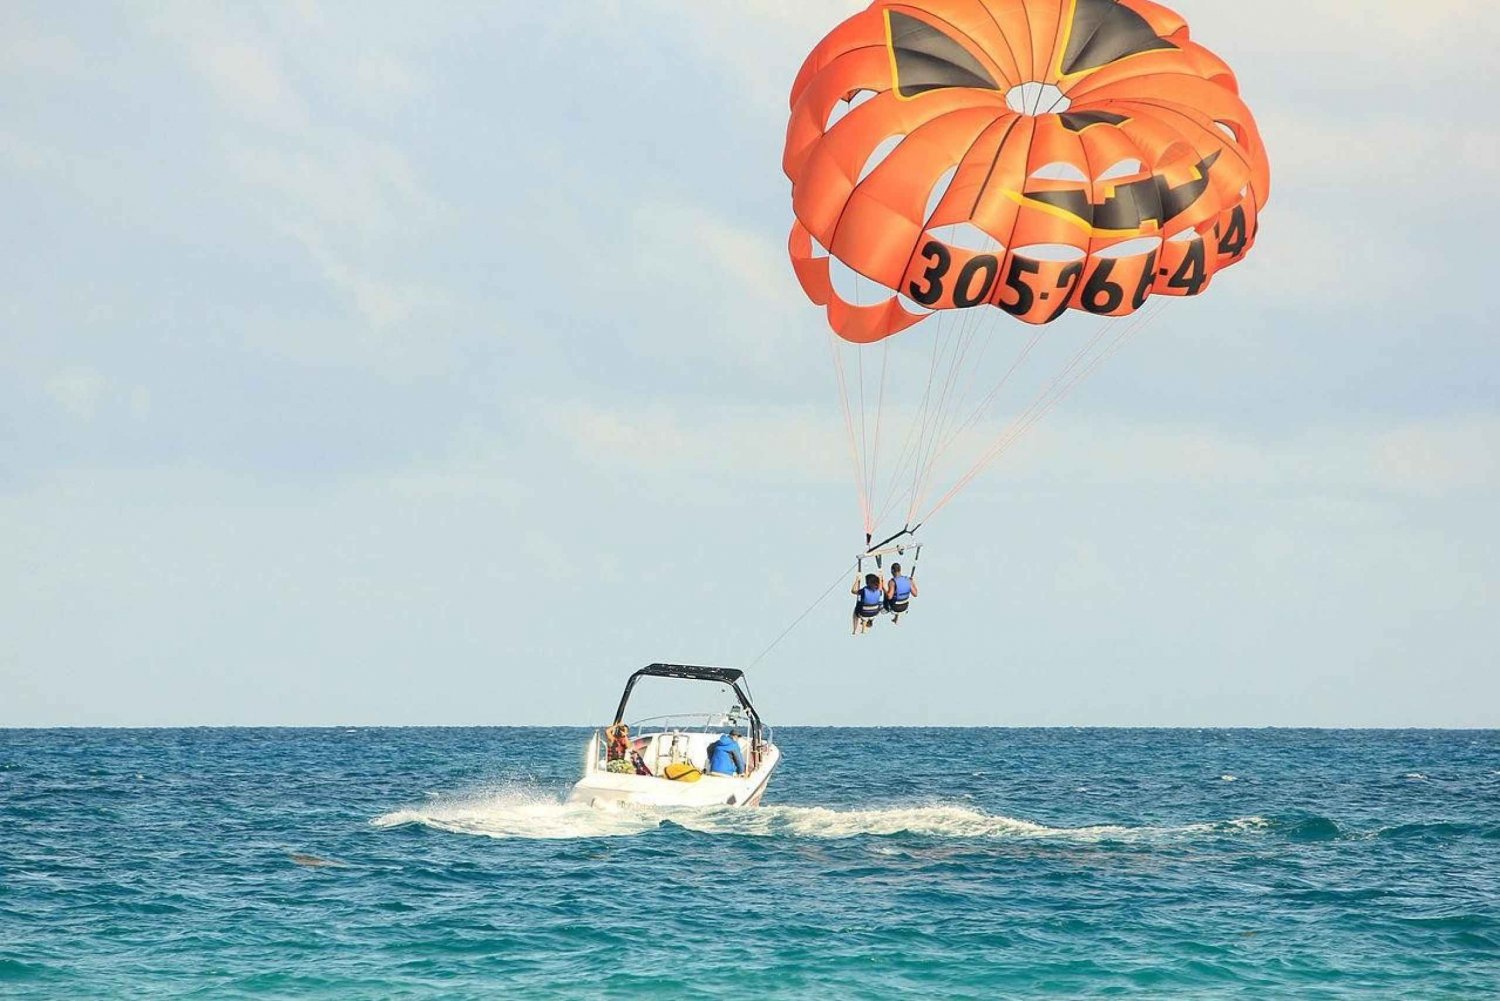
pixel 1104 31
pixel 928 59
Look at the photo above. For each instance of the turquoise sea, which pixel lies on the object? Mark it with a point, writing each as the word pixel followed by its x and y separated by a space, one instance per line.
pixel 932 863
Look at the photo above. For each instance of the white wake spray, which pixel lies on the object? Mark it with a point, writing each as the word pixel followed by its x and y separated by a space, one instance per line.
pixel 535 814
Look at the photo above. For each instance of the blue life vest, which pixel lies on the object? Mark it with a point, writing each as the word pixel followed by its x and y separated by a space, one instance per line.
pixel 871 601
pixel 724 756
pixel 903 587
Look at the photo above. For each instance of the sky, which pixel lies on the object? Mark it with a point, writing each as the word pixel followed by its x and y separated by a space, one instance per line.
pixel 378 364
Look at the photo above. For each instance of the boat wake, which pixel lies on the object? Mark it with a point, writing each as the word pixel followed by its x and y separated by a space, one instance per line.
pixel 520 813
pixel 538 815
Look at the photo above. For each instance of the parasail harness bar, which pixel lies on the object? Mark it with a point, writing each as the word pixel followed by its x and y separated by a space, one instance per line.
pixel 906 530
pixel 884 548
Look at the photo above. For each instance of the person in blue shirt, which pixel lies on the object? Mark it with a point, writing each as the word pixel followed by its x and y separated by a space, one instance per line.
pixel 724 757
pixel 899 591
pixel 869 601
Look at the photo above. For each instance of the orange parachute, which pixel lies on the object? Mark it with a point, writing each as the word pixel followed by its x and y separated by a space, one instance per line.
pixel 1032 155
pixel 1036 156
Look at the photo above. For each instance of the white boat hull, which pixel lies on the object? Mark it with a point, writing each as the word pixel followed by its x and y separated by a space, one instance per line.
pixel 601 788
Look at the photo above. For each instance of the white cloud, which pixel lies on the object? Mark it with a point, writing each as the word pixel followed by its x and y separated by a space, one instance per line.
pixel 25 53
pixel 727 442
pixel 139 403
pixel 20 153
pixel 695 236
pixel 1311 258
pixel 470 468
pixel 1317 148
pixel 1396 44
pixel 297 139
pixel 238 58
pixel 348 184
pixel 379 78
pixel 303 127
pixel 79 391
pixel 279 67
pixel 1424 458
pixel 761 43
pixel 351 203
pixel 383 302
pixel 726 261
pixel 249 79
pixel 730 289
pixel 1428 458
pixel 88 394
pixel 1433 458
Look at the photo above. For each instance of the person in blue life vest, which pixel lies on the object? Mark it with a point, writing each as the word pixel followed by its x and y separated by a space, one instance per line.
pixel 724 756
pixel 869 601
pixel 899 591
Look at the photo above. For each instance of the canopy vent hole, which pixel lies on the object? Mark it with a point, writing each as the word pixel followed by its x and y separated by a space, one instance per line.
pixel 1034 99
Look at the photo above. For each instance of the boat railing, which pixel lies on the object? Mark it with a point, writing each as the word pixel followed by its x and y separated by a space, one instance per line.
pixel 687 723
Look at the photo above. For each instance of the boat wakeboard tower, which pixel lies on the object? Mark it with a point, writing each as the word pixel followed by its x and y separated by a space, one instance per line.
pixel 665 760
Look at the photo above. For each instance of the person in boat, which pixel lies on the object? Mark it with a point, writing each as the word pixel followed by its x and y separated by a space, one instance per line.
pixel 724 756
pixel 899 591
pixel 619 742
pixel 869 601
pixel 639 763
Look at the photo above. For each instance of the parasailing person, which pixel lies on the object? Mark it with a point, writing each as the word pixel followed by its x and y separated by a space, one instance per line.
pixel 899 591
pixel 869 601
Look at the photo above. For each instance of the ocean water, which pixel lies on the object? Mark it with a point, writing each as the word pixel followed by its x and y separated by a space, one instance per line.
pixel 941 863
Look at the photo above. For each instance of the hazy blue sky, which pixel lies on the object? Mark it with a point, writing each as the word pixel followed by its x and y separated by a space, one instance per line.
pixel 398 364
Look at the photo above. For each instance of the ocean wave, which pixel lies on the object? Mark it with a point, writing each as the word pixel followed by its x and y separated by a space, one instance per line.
pixel 12 970
pixel 1313 828
pixel 529 814
pixel 1434 831
pixel 1317 828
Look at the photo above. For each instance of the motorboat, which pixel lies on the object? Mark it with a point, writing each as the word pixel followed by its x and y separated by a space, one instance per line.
pixel 663 760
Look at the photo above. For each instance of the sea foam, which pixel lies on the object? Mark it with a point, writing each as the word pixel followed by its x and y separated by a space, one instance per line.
pixel 536 814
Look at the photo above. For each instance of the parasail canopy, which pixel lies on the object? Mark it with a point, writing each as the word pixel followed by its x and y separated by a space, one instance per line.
pixel 968 159
pixel 1030 155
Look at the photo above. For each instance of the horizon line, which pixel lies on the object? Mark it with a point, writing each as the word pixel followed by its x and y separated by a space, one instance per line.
pixel 1473 727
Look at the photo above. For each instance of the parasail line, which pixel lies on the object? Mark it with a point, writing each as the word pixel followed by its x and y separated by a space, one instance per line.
pixel 932 427
pixel 989 324
pixel 864 440
pixel 1071 379
pixel 1042 405
pixel 974 324
pixel 990 397
pixel 806 612
pixel 1079 366
pixel 927 392
pixel 931 430
pixel 838 368
pixel 885 357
